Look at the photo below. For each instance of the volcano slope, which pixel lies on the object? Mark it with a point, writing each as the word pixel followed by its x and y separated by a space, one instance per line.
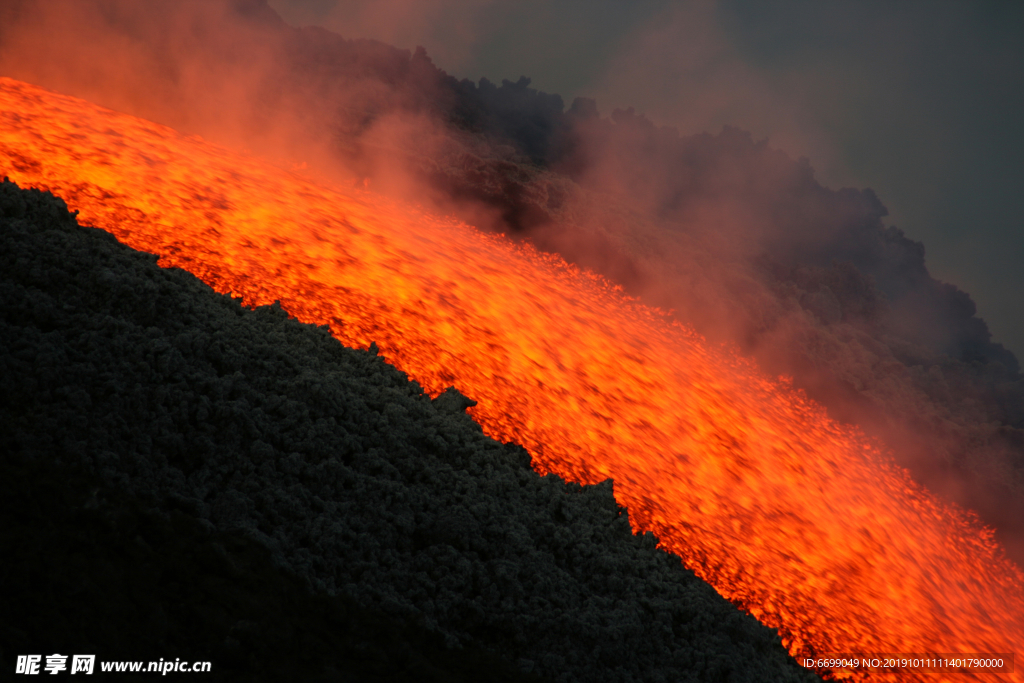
pixel 740 240
pixel 184 477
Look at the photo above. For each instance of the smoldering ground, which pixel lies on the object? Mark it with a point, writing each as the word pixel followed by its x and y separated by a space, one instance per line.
pixel 740 240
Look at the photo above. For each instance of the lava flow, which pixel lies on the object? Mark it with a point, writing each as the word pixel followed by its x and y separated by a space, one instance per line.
pixel 786 513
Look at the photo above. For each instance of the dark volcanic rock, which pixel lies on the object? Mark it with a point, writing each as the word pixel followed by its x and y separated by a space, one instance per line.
pixel 208 481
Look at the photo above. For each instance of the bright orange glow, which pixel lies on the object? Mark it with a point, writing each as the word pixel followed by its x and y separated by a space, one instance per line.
pixel 795 518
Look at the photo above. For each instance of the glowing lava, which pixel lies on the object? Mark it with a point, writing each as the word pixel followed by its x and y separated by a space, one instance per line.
pixel 786 513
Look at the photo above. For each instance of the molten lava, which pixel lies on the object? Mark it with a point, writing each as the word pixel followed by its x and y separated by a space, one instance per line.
pixel 793 517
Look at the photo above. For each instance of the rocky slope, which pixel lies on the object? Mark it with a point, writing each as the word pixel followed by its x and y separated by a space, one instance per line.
pixel 187 478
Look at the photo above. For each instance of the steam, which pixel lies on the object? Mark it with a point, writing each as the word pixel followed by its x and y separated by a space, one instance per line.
pixel 736 237
pixel 234 73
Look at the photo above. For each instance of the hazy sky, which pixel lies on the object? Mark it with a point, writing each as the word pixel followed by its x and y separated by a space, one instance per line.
pixel 921 100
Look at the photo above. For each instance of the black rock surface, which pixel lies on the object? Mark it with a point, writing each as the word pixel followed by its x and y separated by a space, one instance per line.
pixel 183 477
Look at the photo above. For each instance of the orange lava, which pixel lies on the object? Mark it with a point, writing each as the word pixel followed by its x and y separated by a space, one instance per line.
pixel 788 514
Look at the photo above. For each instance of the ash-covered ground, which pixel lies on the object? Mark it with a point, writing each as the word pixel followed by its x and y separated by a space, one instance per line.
pixel 183 477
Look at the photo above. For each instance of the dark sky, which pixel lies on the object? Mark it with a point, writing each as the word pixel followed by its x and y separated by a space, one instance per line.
pixel 921 100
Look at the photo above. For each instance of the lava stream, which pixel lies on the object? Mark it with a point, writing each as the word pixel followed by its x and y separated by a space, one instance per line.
pixel 788 514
